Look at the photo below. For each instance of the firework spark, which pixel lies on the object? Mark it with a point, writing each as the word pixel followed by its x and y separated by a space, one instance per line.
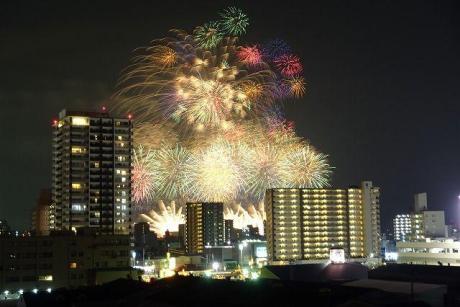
pixel 242 218
pixel 165 218
pixel 142 176
pixel 275 48
pixel 234 21
pixel 250 55
pixel 297 86
pixel 170 171
pixel 217 176
pixel 289 65
pixel 208 35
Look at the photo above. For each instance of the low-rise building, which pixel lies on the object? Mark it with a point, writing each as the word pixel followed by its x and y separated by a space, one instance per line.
pixel 62 260
pixel 429 252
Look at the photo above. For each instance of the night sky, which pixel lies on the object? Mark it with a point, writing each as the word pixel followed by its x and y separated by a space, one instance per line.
pixel 383 79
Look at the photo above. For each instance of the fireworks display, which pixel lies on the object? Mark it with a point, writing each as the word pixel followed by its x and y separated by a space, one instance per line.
pixel 166 218
pixel 242 218
pixel 208 125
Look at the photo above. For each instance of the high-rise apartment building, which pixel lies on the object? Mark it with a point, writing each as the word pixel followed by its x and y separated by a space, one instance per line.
pixel 91 173
pixel 204 226
pixel 402 225
pixel 304 224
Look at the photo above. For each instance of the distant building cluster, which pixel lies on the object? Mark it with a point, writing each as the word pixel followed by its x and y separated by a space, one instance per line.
pixel 421 236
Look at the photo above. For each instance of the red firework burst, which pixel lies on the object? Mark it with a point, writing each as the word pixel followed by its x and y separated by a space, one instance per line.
pixel 250 55
pixel 289 65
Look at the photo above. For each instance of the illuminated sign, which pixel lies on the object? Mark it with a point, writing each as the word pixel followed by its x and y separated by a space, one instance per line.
pixel 337 255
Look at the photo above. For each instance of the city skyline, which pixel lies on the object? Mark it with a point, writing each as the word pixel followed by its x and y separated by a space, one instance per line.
pixel 366 136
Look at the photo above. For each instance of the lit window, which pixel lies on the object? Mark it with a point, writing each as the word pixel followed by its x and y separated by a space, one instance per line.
pixel 123 172
pixel 77 207
pixel 96 164
pixel 45 278
pixel 78 149
pixel 123 179
pixel 123 201
pixel 73 265
pixel 76 186
pixel 80 121
pixel 120 137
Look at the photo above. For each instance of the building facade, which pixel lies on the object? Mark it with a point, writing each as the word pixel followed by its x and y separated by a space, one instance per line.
pixel 420 202
pixel 304 224
pixel 91 185
pixel 402 225
pixel 434 224
pixel 40 214
pixel 420 225
pixel 429 252
pixel 204 226
pixel 62 260
pixel 4 228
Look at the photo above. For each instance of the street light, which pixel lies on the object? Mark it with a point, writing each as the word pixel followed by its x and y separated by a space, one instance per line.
pixel 133 254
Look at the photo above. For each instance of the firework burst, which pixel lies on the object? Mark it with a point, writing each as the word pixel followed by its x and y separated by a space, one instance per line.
pixel 242 218
pixel 142 175
pixel 208 35
pixel 234 21
pixel 165 218
pixel 289 65
pixel 170 171
pixel 297 85
pixel 250 55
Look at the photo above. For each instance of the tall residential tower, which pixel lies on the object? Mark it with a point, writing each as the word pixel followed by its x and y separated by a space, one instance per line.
pixel 91 185
pixel 204 226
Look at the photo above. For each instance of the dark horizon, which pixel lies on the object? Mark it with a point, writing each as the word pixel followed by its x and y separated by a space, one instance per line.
pixel 382 85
